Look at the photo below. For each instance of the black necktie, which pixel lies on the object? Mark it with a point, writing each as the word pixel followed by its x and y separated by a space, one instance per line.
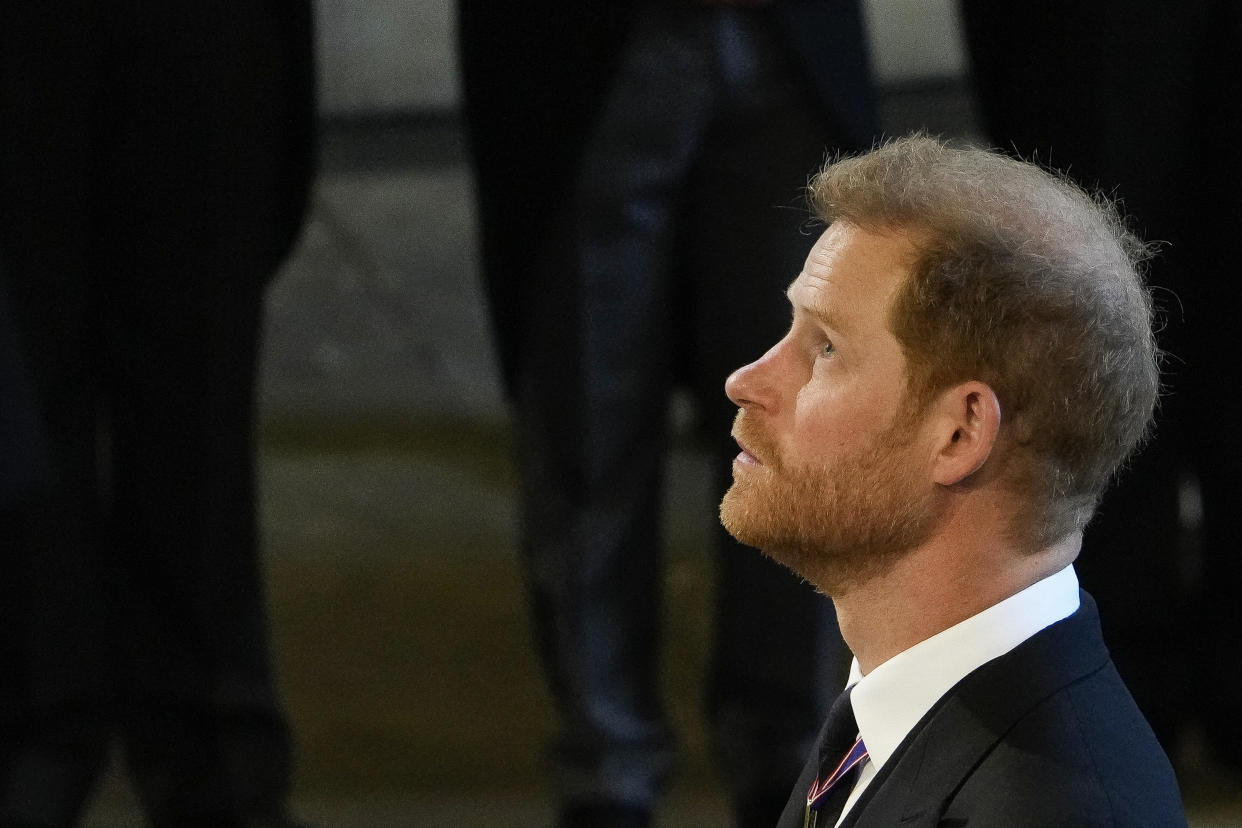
pixel 841 753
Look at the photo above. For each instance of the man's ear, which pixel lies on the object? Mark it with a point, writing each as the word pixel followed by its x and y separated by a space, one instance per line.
pixel 968 418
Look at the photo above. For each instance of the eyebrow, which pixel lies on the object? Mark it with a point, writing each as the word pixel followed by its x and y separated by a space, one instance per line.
pixel 824 315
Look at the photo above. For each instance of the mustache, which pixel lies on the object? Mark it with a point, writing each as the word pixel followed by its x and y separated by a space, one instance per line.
pixel 750 435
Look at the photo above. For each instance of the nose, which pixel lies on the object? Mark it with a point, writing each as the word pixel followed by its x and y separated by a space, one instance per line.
pixel 751 385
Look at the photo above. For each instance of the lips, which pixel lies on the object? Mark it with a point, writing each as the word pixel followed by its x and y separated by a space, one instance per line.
pixel 746 456
pixel 756 448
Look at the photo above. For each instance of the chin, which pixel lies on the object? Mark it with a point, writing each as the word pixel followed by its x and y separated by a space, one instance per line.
pixel 741 516
pixel 833 539
pixel 753 518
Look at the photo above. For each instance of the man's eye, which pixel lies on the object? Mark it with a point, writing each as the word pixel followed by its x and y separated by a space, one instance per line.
pixel 828 349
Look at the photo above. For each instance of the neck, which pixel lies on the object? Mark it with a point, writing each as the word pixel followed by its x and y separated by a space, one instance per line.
pixel 935 587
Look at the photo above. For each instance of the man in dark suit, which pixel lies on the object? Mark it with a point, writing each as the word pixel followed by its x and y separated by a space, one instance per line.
pixel 970 360
pixel 638 168
pixel 154 164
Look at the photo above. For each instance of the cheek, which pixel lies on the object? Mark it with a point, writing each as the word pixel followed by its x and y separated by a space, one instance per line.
pixel 822 425
pixel 830 424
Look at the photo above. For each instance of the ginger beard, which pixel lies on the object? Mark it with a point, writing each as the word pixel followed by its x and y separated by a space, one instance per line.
pixel 835 526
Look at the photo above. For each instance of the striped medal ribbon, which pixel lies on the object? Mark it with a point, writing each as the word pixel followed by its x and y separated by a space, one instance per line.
pixel 819 790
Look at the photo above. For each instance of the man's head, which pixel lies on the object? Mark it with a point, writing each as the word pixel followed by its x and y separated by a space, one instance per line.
pixel 951 283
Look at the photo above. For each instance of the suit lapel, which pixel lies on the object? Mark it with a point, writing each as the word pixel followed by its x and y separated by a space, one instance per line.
pixel 916 784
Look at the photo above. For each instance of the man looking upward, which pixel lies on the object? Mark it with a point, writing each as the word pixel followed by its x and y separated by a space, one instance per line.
pixel 970 360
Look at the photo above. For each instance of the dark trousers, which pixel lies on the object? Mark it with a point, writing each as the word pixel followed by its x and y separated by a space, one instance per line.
pixel 668 265
pixel 141 162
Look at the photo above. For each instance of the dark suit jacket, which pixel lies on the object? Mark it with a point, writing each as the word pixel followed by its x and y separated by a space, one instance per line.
pixel 1046 735
pixel 534 76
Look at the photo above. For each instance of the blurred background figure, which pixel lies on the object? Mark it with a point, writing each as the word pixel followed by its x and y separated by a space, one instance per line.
pixel 1144 100
pixel 638 170
pixel 154 161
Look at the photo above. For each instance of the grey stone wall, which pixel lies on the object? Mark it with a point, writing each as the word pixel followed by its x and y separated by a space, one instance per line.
pixel 385 55
pixel 398 55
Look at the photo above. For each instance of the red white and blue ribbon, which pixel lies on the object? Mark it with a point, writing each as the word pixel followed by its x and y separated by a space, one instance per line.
pixel 857 755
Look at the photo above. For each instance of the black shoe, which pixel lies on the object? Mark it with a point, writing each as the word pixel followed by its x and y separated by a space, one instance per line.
pixel 603 815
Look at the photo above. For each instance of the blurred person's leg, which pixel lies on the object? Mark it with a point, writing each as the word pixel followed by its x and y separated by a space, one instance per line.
pixel 776 661
pixel 25 479
pixel 592 408
pixel 54 627
pixel 532 77
pixel 136 265
pixel 204 736
pixel 192 218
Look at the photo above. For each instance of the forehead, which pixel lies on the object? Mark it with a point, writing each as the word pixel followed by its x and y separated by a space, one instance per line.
pixel 851 276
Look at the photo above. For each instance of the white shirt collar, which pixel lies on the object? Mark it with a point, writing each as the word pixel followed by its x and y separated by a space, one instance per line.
pixel 890 700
